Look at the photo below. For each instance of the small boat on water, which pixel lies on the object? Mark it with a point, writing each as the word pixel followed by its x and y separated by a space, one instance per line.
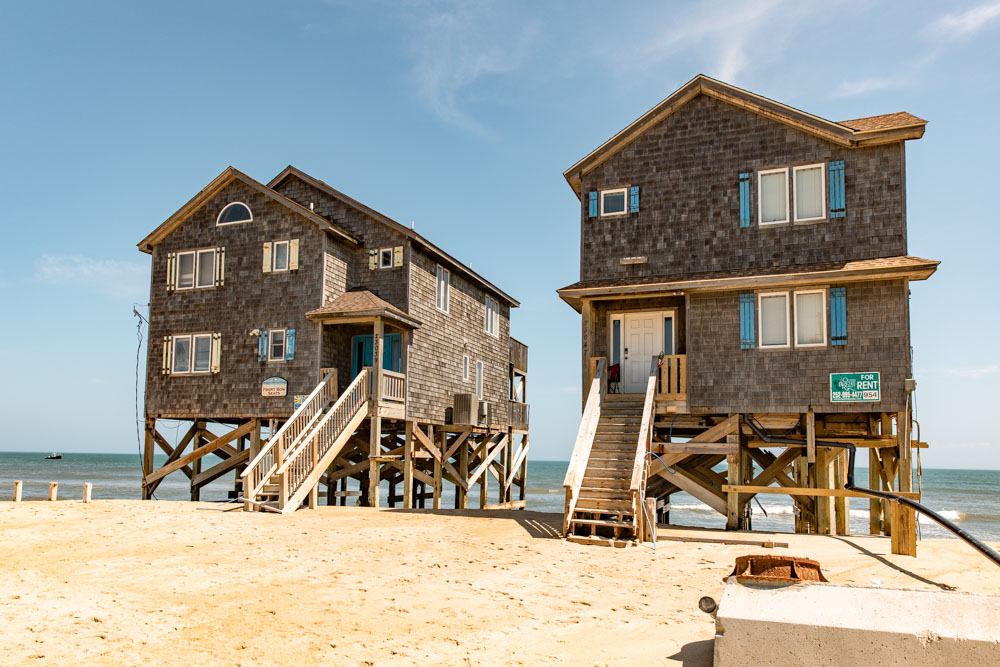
pixel 54 455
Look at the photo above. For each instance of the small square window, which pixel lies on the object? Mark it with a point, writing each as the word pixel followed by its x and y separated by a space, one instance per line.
pixel 276 345
pixel 385 258
pixel 280 256
pixel 613 202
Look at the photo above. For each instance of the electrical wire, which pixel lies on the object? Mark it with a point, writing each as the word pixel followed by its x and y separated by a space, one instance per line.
pixel 138 355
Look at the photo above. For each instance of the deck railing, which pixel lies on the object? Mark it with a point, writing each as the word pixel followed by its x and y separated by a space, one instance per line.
pixel 393 387
pixel 519 355
pixel 673 377
pixel 637 487
pixel 272 455
pixel 585 438
pixel 302 461
pixel 519 413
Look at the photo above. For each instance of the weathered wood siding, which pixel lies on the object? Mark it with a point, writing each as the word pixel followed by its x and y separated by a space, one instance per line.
pixel 436 349
pixel 687 168
pixel 724 378
pixel 250 299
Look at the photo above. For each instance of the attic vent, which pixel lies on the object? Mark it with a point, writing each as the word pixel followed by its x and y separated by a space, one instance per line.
pixel 624 261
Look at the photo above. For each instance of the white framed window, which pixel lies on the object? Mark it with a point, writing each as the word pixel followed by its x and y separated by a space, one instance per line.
pixel 613 202
pixel 235 213
pixel 276 345
pixel 772 199
pixel 279 250
pixel 492 323
pixel 809 192
pixel 774 321
pixel 479 379
pixel 465 368
pixel 192 354
pixel 195 268
pixel 385 258
pixel 442 292
pixel 810 318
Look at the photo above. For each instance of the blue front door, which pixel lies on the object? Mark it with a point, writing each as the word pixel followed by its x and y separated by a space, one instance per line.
pixel 361 353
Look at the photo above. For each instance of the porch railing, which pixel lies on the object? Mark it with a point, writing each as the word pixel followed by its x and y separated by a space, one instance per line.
pixel 637 486
pixel 585 437
pixel 519 413
pixel 393 387
pixel 673 377
pixel 519 355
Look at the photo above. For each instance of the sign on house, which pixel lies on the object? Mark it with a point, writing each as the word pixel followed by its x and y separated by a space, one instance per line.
pixel 855 387
pixel 274 386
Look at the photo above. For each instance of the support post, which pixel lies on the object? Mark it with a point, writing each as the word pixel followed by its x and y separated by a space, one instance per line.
pixel 147 456
pixel 87 489
pixel 874 505
pixel 461 495
pixel 438 466
pixel 408 467
pixel 524 469
pixel 737 471
pixel 824 504
pixel 18 485
pixel 375 444
pixel 842 505
pixel 53 490
pixel 904 530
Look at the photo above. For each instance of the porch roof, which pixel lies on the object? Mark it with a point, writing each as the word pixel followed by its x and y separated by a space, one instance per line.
pixel 904 266
pixel 361 306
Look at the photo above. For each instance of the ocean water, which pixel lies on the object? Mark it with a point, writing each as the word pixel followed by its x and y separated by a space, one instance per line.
pixel 970 498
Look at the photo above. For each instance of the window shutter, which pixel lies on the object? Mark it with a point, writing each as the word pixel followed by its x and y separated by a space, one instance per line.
pixel 293 255
pixel 216 351
pixel 593 204
pixel 748 330
pixel 220 266
pixel 633 199
pixel 745 199
pixel 397 256
pixel 267 257
pixel 289 344
pixel 838 202
pixel 167 351
pixel 262 346
pixel 373 259
pixel 838 316
pixel 171 268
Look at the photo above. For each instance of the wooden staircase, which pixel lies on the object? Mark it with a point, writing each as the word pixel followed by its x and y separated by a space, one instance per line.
pixel 604 504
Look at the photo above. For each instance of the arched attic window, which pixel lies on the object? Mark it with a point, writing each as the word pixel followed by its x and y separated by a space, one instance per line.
pixel 233 213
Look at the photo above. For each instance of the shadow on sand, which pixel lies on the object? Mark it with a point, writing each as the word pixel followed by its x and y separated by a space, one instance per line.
pixel 539 525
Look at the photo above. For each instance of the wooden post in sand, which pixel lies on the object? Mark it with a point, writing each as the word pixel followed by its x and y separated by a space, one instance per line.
pixel 87 488
pixel 53 490
pixel 17 490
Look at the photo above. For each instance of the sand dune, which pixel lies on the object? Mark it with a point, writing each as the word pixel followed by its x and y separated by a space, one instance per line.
pixel 126 582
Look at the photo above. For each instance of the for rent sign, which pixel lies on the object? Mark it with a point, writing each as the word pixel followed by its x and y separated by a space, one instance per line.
pixel 855 387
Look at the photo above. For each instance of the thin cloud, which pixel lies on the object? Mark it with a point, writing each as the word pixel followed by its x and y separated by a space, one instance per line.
pixel 864 86
pixel 113 277
pixel 975 371
pixel 963 24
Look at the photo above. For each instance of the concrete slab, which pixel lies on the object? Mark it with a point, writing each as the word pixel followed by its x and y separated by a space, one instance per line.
pixel 762 623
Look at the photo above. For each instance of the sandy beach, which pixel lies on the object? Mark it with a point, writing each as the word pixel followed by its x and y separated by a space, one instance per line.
pixel 128 582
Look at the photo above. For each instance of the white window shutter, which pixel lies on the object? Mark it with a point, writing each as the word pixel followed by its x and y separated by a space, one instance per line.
pixel 373 259
pixel 267 257
pixel 171 264
pixel 293 255
pixel 167 348
pixel 220 266
pixel 216 351
pixel 397 256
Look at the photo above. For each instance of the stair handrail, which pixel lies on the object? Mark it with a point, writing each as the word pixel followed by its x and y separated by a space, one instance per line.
pixel 643 445
pixel 260 469
pixel 349 402
pixel 584 440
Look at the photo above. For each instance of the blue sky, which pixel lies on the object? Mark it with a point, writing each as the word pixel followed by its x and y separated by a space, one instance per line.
pixel 460 117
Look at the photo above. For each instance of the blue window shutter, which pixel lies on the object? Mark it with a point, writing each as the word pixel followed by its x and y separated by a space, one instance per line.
pixel 262 346
pixel 633 199
pixel 593 204
pixel 838 316
pixel 838 205
pixel 748 329
pixel 745 199
pixel 289 344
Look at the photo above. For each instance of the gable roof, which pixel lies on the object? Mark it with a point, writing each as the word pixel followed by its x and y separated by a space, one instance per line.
pixel 225 178
pixel 859 132
pixel 361 304
pixel 440 254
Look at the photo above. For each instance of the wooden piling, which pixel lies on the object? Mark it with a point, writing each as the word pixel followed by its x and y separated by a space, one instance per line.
pixel 87 488
pixel 53 490
pixel 17 490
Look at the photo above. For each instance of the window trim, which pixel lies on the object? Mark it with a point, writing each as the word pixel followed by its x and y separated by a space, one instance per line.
pixel 760 197
pixel 823 301
pixel 197 268
pixel 238 222
pixel 822 191
pixel 760 321
pixel 270 344
pixel 447 288
pixel 465 367
pixel 381 256
pixel 495 320
pixel 480 378
pixel 190 338
pixel 274 256
pixel 624 192
pixel 196 254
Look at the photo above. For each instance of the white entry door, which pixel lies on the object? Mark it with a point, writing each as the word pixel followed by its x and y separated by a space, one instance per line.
pixel 643 338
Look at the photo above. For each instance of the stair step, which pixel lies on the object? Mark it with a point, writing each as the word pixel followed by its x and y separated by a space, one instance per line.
pixel 616 483
pixel 601 522
pixel 622 464
pixel 600 492
pixel 597 540
pixel 603 506
pixel 616 438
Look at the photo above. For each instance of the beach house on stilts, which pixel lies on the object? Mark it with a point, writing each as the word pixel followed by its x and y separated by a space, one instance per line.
pixel 744 292
pixel 307 340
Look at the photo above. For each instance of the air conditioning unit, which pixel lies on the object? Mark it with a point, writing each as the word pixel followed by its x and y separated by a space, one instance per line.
pixel 466 409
